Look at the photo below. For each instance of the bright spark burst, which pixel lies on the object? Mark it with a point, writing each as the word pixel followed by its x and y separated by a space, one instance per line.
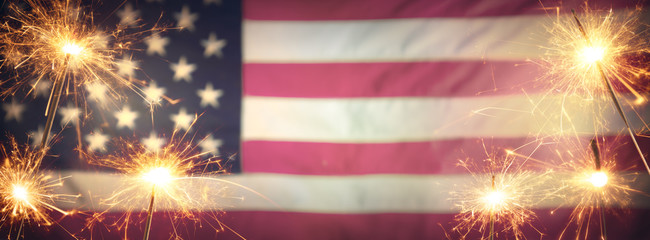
pixel 501 192
pixel 592 186
pixel 176 173
pixel 27 193
pixel 159 176
pixel 57 40
pixel 616 41
pixel 598 179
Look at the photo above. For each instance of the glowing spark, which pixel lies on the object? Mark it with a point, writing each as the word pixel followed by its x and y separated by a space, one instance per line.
pixel 591 51
pixel 56 40
pixel 598 179
pixel 72 49
pixel 499 195
pixel 495 199
pixel 27 194
pixel 590 182
pixel 20 193
pixel 592 54
pixel 613 39
pixel 168 175
pixel 159 176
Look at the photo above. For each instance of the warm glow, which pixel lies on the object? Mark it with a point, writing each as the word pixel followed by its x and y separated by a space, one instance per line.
pixel 598 179
pixel 72 49
pixel 158 176
pixel 640 100
pixel 20 193
pixel 494 198
pixel 591 54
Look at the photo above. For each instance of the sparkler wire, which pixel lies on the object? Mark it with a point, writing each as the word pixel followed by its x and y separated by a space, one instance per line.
pixel 492 213
pixel 612 94
pixel 149 214
pixel 603 226
pixel 20 229
pixel 53 104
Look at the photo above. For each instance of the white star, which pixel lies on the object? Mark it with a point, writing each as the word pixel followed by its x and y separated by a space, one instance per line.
pixel 153 142
pixel 100 40
pixel 126 118
pixel 41 87
pixel 182 120
pixel 211 145
pixel 96 91
pixel 156 44
pixel 209 96
pixel 70 115
pixel 183 70
pixel 126 67
pixel 128 16
pixel 97 141
pixel 213 46
pixel 14 110
pixel 153 94
pixel 37 136
pixel 208 2
pixel 185 18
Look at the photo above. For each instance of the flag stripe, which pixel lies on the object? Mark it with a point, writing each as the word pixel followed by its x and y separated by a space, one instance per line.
pixel 373 193
pixel 319 226
pixel 435 157
pixel 314 226
pixel 365 120
pixel 373 9
pixel 391 79
pixel 497 38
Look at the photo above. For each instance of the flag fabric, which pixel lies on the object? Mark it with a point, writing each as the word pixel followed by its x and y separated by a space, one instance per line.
pixel 350 117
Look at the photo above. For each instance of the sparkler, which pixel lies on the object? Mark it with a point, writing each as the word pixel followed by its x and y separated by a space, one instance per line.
pixel 493 198
pixel 503 195
pixel 586 58
pixel 595 53
pixel 599 179
pixel 57 40
pixel 166 176
pixel 589 181
pixel 27 194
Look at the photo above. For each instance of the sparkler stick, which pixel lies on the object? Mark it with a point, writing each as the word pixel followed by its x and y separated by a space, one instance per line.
pixel 612 94
pixel 20 229
pixel 147 227
pixel 596 151
pixel 53 104
pixel 492 213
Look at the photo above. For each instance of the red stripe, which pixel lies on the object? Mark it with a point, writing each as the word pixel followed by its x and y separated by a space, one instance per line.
pixel 383 9
pixel 314 226
pixel 437 157
pixel 440 79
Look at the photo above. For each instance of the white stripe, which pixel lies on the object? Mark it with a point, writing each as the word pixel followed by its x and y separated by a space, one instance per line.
pixel 442 39
pixel 494 38
pixel 421 39
pixel 383 120
pixel 319 194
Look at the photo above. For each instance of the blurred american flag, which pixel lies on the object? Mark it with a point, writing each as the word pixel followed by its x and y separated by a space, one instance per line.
pixel 350 115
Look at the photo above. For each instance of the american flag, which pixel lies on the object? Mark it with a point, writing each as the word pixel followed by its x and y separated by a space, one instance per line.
pixel 350 116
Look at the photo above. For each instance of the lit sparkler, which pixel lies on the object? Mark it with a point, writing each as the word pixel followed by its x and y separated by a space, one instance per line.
pixel 170 178
pixel 592 185
pixel 57 40
pixel 590 52
pixel 26 193
pixel 502 195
